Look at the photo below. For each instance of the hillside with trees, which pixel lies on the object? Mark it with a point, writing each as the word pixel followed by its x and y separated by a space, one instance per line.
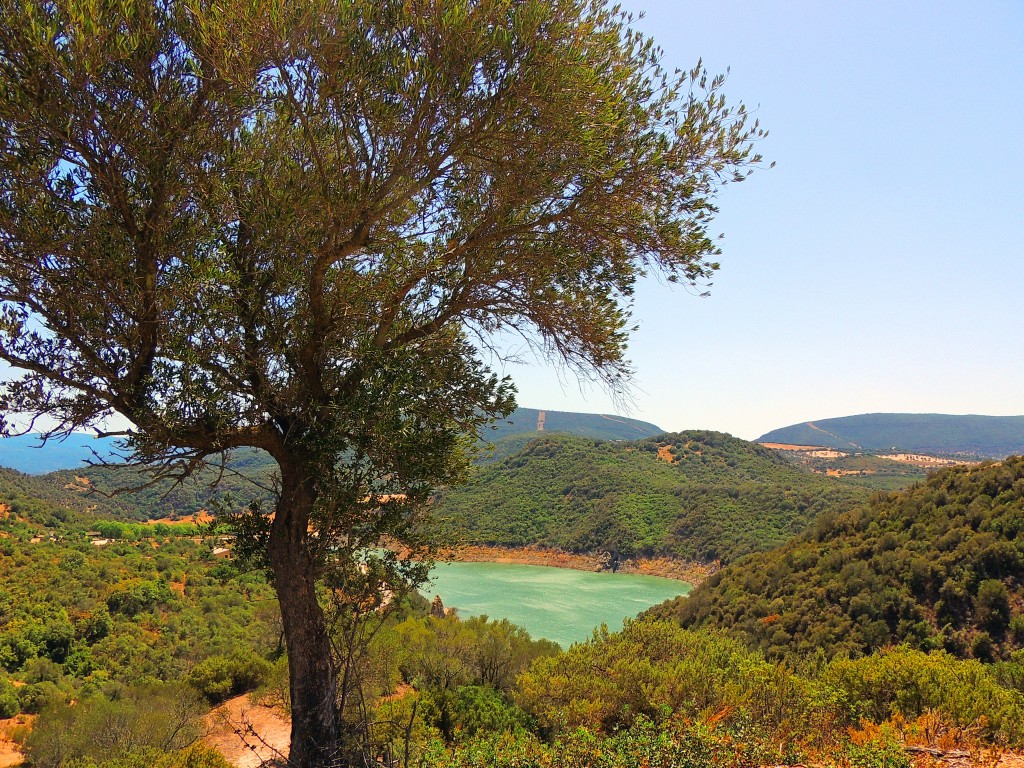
pixel 75 452
pixel 929 433
pixel 122 662
pixel 700 496
pixel 938 566
pixel 596 425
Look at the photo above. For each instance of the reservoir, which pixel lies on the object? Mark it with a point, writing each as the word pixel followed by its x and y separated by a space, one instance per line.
pixel 557 603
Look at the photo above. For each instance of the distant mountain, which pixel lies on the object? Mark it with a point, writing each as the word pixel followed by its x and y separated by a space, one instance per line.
pixel 597 425
pixel 930 433
pixel 939 565
pixel 697 495
pixel 26 454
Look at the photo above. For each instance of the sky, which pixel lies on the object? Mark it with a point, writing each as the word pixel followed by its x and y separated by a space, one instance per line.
pixel 879 267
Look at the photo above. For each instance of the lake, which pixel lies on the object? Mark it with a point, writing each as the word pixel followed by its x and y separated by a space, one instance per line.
pixel 557 603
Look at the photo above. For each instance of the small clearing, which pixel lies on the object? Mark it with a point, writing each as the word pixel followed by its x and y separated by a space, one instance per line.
pixel 923 460
pixel 247 734
pixel 202 517
pixel 10 752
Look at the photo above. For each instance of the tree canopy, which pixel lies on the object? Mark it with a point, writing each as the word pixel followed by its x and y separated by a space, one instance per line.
pixel 294 226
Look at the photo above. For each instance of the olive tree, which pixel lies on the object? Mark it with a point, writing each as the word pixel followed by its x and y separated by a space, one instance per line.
pixel 298 226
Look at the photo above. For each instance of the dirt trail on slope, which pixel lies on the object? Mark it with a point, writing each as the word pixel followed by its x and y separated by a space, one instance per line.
pixel 247 734
pixel 10 753
pixel 814 426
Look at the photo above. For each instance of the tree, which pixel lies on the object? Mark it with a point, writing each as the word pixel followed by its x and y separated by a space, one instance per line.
pixel 299 226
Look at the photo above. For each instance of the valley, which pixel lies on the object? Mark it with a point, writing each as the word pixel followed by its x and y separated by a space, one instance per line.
pixel 803 579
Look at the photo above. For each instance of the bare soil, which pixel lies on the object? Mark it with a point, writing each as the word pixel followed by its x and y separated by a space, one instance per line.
pixel 247 734
pixel 10 752
pixel 682 570
pixel 923 460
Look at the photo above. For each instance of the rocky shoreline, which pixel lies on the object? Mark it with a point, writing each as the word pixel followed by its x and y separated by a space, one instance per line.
pixel 670 568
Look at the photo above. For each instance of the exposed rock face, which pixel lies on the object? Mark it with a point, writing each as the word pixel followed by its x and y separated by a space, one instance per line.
pixel 437 607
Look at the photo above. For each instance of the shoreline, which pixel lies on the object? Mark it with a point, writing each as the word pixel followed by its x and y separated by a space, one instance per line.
pixel 665 567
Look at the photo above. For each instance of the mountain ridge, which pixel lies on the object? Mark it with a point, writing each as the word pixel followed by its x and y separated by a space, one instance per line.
pixel 25 453
pixel 975 435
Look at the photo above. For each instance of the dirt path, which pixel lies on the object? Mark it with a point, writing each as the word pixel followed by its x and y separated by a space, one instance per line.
pixel 812 425
pixel 247 734
pixel 10 754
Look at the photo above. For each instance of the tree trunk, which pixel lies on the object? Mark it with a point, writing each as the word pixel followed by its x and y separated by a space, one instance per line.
pixel 315 736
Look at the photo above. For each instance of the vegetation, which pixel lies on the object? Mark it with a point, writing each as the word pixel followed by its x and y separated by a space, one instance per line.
pixel 659 695
pixel 862 469
pixel 439 691
pixel 716 497
pixel 938 566
pixel 928 433
pixel 599 426
pixel 75 618
pixel 284 226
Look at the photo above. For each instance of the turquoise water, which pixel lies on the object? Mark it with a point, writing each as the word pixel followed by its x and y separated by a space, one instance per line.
pixel 557 603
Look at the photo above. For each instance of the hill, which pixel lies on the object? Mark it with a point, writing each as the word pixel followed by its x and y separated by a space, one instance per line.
pixel 940 565
pixel 697 495
pixel 869 470
pixel 596 425
pixel 930 433
pixel 25 453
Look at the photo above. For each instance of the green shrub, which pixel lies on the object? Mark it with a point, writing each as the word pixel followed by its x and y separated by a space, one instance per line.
pixel 906 682
pixel 9 703
pixel 220 677
pixel 199 756
pixel 471 710
pixel 101 731
pixel 35 697
pixel 654 669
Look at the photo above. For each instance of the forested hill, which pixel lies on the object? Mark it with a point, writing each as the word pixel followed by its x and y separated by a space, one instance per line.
pixel 25 454
pixel 597 425
pixel 697 495
pixel 940 565
pixel 931 433
pixel 99 492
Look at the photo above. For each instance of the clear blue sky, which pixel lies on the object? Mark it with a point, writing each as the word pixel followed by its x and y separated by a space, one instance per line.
pixel 880 265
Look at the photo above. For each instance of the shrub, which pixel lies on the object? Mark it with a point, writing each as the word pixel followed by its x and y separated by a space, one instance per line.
pixel 9 703
pixel 220 677
pixel 101 732
pixel 906 682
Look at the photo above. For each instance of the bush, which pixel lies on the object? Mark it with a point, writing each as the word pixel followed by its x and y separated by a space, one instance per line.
pixel 221 677
pixel 9 703
pixel 102 732
pixel 655 669
pixel 909 683
pixel 34 698
pixel 471 710
pixel 199 756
